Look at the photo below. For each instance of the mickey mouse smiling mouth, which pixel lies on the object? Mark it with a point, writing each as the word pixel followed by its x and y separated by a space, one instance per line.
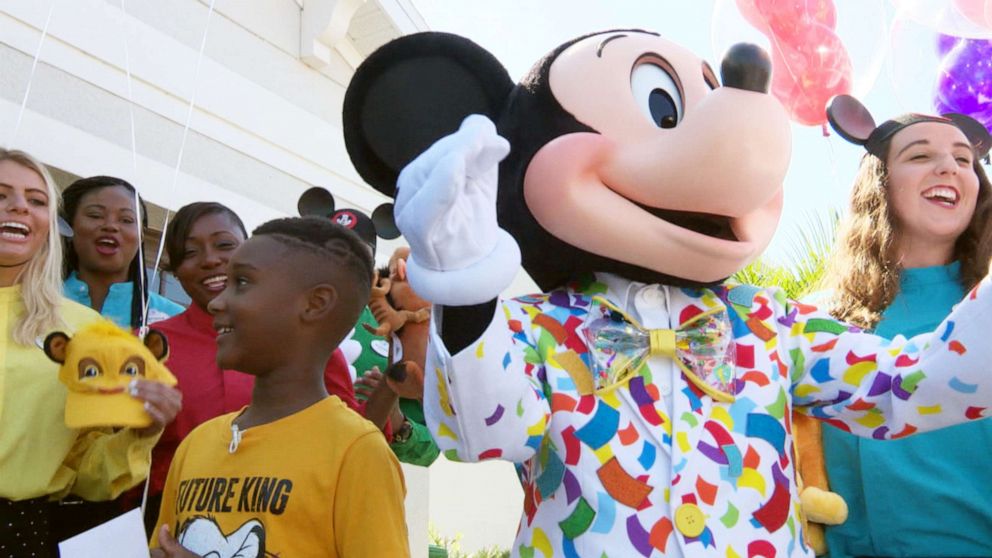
pixel 707 224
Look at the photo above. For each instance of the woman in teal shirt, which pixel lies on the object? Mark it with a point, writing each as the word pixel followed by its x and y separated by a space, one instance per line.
pixel 103 267
pixel 916 240
pixel 104 271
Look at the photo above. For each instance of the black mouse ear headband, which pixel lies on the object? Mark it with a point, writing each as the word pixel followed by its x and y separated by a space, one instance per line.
pixel 318 202
pixel 852 121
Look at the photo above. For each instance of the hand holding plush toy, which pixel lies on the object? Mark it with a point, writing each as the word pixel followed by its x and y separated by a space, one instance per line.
pixel 99 365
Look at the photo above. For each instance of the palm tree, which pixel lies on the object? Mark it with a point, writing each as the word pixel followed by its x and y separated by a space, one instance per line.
pixel 807 259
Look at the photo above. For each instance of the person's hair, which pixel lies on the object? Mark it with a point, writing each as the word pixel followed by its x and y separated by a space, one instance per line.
pixel 184 220
pixel 340 246
pixel 71 197
pixel 41 279
pixel 863 272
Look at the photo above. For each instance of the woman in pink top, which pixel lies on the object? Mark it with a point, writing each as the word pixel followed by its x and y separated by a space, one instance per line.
pixel 199 241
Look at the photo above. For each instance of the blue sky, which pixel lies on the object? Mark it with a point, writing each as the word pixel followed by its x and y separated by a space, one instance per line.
pixel 894 68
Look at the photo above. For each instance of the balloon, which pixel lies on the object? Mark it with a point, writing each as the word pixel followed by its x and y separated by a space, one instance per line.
pixel 961 18
pixel 916 54
pixel 964 81
pixel 809 63
pixel 946 43
pixel 978 11
pixel 863 28
pixel 780 16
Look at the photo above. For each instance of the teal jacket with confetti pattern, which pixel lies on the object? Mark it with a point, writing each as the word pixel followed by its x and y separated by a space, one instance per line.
pixel 653 466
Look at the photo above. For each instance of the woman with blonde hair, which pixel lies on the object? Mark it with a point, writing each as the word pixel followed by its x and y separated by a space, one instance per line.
pixel 916 240
pixel 40 458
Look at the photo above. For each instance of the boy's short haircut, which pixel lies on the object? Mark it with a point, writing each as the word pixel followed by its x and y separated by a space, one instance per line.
pixel 327 240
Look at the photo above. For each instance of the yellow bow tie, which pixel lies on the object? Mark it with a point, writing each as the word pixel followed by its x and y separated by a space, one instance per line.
pixel 703 348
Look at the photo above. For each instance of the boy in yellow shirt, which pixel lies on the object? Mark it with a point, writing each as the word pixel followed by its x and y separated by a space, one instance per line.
pixel 296 473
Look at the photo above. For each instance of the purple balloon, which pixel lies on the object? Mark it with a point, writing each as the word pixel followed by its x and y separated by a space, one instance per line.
pixel 945 43
pixel 964 80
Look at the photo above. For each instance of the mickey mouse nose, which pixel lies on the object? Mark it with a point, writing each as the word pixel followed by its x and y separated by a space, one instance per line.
pixel 746 66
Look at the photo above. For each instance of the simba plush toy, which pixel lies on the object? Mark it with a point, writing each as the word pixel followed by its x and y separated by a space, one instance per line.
pixel 98 363
pixel 644 400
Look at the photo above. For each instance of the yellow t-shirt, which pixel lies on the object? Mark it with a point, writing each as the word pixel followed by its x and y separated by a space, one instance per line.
pixel 319 483
pixel 39 454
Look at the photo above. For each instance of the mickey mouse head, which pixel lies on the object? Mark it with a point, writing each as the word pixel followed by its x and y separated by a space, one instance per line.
pixel 628 155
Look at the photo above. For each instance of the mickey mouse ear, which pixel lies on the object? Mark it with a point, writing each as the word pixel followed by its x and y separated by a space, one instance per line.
pixel 411 92
pixel 850 119
pixel 385 225
pixel 65 229
pixel 315 202
pixel 976 133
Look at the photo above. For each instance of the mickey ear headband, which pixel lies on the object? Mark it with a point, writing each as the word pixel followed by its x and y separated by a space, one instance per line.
pixel 852 121
pixel 318 202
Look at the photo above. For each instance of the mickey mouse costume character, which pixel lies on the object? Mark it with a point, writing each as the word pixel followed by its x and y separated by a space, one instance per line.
pixel 645 401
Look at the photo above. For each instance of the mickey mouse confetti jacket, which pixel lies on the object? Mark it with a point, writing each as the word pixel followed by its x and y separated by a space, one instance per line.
pixel 654 467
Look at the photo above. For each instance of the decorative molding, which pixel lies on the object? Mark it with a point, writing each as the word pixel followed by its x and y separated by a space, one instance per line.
pixel 324 28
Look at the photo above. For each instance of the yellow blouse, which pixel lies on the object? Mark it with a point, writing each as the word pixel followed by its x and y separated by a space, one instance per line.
pixel 39 455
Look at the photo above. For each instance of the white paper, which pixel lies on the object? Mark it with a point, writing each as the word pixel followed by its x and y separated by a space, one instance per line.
pixel 121 537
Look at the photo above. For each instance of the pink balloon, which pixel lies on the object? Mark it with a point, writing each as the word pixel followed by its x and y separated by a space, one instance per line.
pixel 978 11
pixel 806 75
pixel 787 19
pixel 809 63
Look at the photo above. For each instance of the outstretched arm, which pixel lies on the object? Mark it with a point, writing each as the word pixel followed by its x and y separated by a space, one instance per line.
pixel 878 388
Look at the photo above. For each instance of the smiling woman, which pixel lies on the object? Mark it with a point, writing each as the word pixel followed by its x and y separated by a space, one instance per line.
pixel 918 237
pixel 41 459
pixel 103 270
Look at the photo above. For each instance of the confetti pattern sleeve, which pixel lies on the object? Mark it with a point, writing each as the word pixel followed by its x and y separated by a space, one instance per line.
pixel 883 389
pixel 488 401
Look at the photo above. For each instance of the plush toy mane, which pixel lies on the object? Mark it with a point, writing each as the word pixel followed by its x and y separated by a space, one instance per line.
pixel 105 328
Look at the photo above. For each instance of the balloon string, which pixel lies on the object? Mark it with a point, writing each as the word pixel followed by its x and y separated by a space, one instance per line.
pixel 34 66
pixel 142 279
pixel 182 144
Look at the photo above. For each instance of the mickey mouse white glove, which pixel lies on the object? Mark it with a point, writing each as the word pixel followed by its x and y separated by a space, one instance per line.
pixel 446 209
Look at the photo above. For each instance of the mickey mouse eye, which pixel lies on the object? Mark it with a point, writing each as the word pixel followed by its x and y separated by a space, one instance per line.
pixel 657 94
